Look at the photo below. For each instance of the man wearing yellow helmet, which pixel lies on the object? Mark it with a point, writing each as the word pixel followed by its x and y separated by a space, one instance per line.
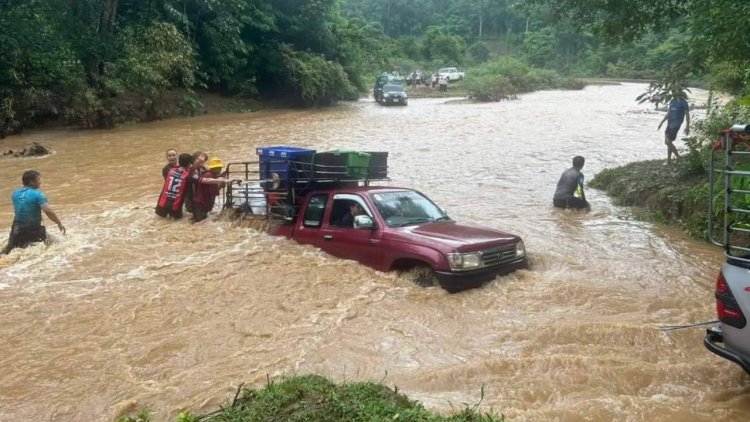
pixel 207 187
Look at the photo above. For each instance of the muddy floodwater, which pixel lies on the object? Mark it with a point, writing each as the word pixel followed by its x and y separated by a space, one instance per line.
pixel 130 311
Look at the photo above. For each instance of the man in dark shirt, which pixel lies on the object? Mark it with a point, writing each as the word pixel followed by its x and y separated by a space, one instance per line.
pixel 354 210
pixel 571 181
pixel 171 162
pixel 678 111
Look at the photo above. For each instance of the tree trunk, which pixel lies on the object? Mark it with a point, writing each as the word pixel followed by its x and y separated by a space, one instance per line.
pixel 108 16
pixel 481 15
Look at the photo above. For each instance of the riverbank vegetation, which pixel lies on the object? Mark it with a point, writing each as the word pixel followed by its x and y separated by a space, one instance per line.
pixel 678 194
pixel 312 398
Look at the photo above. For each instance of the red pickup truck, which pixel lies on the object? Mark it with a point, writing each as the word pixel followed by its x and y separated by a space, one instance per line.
pixel 390 228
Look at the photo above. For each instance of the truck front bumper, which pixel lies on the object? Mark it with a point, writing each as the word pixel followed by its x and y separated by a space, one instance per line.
pixel 457 281
pixel 712 340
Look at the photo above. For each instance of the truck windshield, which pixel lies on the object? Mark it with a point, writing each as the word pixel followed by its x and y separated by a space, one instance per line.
pixel 403 208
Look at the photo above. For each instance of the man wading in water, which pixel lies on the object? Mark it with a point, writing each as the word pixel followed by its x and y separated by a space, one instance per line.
pixel 28 204
pixel 173 191
pixel 571 181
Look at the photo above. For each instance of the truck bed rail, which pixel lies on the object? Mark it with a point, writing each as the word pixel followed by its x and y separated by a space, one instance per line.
pixel 731 191
pixel 263 193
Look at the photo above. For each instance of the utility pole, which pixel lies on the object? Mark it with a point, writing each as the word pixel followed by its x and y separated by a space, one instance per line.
pixel 387 16
pixel 481 15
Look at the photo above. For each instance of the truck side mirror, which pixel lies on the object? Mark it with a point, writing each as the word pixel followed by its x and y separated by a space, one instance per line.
pixel 363 222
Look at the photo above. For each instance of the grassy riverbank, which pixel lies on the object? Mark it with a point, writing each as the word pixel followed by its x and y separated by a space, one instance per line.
pixel 668 194
pixel 312 398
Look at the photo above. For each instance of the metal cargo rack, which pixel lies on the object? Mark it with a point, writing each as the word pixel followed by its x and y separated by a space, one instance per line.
pixel 248 196
pixel 277 198
pixel 733 154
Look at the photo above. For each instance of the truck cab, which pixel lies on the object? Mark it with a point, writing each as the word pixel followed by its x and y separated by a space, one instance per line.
pixel 401 229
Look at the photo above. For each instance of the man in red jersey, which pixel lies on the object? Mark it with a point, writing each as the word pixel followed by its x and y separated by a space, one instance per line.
pixel 173 192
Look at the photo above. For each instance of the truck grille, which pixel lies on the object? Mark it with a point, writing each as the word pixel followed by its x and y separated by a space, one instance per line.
pixel 497 256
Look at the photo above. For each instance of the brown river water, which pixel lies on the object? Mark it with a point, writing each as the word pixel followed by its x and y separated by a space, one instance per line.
pixel 130 311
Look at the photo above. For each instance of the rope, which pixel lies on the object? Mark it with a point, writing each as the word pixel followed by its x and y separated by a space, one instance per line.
pixel 679 327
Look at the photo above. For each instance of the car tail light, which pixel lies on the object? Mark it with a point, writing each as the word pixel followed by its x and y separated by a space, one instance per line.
pixel 727 309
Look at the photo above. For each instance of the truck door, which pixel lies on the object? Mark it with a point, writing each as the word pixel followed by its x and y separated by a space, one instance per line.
pixel 342 239
pixel 308 227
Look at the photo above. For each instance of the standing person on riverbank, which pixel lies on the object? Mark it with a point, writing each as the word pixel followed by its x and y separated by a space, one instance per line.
pixel 570 183
pixel 28 204
pixel 174 189
pixel 171 162
pixel 679 110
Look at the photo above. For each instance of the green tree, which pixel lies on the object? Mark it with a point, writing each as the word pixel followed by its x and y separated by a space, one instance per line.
pixel 443 47
pixel 540 47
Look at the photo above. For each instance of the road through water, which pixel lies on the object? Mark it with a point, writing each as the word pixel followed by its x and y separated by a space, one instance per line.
pixel 129 311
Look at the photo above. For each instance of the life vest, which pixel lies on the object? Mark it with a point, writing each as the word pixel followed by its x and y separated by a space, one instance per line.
pixel 173 192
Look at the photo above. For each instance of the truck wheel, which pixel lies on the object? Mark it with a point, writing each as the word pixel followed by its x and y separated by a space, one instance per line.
pixel 423 276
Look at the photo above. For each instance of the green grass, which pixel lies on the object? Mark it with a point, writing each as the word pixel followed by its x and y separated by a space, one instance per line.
pixel 312 398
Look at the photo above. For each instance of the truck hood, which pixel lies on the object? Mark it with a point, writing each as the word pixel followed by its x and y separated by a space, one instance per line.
pixel 448 236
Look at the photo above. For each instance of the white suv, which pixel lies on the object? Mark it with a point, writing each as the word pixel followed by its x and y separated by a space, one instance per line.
pixel 451 73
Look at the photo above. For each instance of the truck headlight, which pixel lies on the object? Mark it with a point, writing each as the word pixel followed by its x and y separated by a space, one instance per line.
pixel 464 261
pixel 520 250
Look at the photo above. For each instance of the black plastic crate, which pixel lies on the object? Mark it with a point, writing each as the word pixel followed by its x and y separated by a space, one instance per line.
pixel 378 168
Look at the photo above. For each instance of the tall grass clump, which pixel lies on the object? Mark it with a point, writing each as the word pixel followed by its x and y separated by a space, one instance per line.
pixel 312 398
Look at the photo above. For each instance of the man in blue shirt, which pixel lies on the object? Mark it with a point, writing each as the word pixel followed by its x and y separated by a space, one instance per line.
pixel 28 204
pixel 678 111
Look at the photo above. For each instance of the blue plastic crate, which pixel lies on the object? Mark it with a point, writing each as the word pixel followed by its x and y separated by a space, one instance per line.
pixel 281 166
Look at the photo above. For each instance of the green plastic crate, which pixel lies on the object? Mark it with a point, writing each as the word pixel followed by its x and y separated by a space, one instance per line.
pixel 341 164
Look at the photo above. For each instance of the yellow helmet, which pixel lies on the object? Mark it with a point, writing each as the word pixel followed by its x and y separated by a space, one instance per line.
pixel 215 163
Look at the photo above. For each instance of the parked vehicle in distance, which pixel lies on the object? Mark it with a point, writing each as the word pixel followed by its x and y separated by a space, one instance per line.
pixel 394 94
pixel 451 74
pixel 730 339
pixel 402 229
pixel 381 81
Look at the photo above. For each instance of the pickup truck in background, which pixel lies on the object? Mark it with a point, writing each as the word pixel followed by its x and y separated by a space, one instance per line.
pixel 451 73
pixel 326 200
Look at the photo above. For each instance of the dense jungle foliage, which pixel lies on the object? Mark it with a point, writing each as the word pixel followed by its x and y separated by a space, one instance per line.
pixel 92 62
pixel 98 63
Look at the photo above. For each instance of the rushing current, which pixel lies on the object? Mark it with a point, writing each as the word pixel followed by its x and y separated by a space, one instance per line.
pixel 130 311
